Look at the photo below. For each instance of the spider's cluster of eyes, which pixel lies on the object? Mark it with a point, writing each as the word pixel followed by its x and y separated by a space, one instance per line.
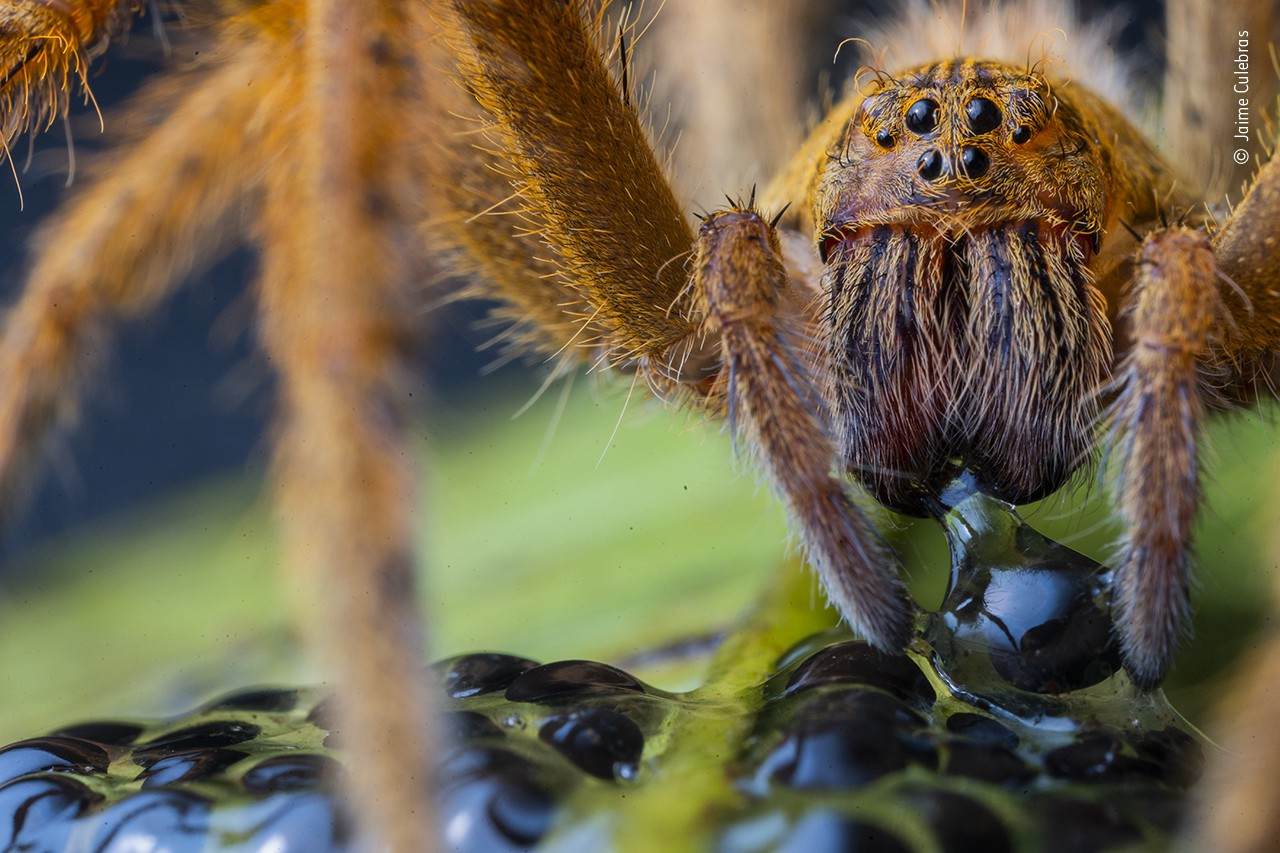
pixel 983 116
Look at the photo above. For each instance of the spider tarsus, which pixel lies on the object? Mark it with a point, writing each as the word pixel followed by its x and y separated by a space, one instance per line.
pixel 1148 629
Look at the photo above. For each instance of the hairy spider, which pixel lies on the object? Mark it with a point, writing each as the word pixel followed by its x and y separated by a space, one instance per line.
pixel 973 259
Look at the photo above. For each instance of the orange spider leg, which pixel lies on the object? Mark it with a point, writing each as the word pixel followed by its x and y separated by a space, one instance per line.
pixel 1199 109
pixel 479 223
pixel 44 53
pixel 590 179
pixel 587 174
pixel 1239 810
pixel 118 248
pixel 337 308
pixel 1156 421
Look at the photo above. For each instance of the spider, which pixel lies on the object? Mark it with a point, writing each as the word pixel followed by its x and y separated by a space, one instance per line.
pixel 974 259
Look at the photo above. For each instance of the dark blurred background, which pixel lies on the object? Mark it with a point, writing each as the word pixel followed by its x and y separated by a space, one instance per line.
pixel 184 395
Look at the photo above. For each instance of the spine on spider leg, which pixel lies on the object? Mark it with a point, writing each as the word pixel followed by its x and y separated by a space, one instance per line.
pixel 44 53
pixel 739 278
pixel 122 243
pixel 337 235
pixel 1155 426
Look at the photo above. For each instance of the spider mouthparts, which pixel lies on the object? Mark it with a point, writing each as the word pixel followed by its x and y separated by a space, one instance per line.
pixel 832 237
pixel 1089 241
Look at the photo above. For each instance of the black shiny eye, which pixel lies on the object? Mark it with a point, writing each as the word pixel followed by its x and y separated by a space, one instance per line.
pixel 984 115
pixel 930 164
pixel 923 116
pixel 884 138
pixel 1022 135
pixel 974 162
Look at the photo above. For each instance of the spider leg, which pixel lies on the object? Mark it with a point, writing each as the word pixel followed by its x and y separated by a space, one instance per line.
pixel 740 279
pixel 588 177
pixel 44 53
pixel 1238 812
pixel 706 53
pixel 1205 317
pixel 120 246
pixel 478 225
pixel 1155 423
pixel 1200 109
pixel 1248 252
pixel 336 307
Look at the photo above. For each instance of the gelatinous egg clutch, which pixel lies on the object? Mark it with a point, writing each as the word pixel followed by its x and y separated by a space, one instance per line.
pixel 1007 726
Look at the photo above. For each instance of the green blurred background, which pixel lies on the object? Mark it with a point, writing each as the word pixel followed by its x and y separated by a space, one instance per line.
pixel 543 537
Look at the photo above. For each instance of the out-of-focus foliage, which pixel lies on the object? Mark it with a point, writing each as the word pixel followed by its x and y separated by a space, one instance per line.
pixel 555 557
pixel 545 554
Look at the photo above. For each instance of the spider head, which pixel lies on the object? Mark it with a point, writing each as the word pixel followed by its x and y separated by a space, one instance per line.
pixel 959 214
pixel 947 147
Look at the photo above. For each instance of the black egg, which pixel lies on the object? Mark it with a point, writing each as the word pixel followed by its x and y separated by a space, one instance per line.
pixel 859 663
pixel 974 162
pixel 922 117
pixel 984 115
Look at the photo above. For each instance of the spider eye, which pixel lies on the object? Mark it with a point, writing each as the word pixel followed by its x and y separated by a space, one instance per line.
pixel 1022 135
pixel 974 162
pixel 930 165
pixel 884 138
pixel 984 115
pixel 923 116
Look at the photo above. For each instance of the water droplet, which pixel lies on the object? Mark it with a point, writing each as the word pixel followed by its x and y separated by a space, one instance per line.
pixel 468 725
pixel 1097 756
pixel 203 736
pixel 36 813
pixel 961 824
pixel 982 729
pixel 261 699
pixel 1069 825
pixel 995 764
pixel 104 732
pixel 179 818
